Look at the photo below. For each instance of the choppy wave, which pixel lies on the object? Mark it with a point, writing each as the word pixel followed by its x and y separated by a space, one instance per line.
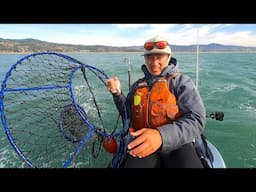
pixel 227 83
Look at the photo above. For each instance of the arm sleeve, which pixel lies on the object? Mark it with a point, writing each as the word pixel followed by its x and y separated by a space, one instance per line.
pixel 193 116
pixel 120 102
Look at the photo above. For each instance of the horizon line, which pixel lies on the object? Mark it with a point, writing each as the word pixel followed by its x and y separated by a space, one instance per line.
pixel 123 46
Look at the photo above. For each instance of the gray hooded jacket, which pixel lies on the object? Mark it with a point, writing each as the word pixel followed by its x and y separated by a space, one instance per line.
pixel 193 116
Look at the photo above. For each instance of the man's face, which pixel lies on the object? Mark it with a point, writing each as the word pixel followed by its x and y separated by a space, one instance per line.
pixel 156 63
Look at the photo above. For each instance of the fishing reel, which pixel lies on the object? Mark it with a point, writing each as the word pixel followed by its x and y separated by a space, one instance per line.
pixel 219 116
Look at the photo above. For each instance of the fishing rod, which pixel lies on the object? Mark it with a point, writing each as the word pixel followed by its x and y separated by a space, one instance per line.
pixel 219 116
pixel 126 60
pixel 197 59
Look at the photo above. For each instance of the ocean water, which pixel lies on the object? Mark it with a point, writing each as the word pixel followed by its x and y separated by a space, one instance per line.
pixel 226 84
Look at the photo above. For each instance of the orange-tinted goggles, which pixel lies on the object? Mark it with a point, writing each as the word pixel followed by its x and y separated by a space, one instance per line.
pixel 151 45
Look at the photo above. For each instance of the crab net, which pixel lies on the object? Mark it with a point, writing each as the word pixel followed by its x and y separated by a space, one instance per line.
pixel 55 110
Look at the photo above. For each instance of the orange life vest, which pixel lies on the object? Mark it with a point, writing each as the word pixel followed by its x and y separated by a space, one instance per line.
pixel 154 107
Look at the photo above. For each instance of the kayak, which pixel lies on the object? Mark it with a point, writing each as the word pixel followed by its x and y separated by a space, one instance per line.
pixel 217 161
pixel 209 153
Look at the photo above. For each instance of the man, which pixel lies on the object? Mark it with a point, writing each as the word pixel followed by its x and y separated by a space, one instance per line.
pixel 166 112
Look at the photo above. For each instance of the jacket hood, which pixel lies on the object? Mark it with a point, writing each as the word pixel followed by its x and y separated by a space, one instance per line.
pixel 171 68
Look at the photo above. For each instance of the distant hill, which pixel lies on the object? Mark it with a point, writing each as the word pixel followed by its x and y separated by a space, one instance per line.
pixel 214 47
pixel 34 45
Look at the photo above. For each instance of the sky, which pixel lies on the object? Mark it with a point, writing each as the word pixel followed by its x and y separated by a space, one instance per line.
pixel 133 34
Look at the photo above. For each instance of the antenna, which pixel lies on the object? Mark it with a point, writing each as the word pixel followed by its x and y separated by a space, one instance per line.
pixel 197 59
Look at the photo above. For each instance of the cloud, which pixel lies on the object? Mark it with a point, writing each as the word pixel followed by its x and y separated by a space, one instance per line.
pixel 176 34
pixel 158 29
pixel 129 26
pixel 133 34
pixel 244 38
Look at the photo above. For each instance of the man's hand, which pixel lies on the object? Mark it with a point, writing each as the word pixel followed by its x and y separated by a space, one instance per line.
pixel 147 142
pixel 114 86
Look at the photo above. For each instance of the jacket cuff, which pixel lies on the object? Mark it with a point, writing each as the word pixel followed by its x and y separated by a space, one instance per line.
pixel 168 143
